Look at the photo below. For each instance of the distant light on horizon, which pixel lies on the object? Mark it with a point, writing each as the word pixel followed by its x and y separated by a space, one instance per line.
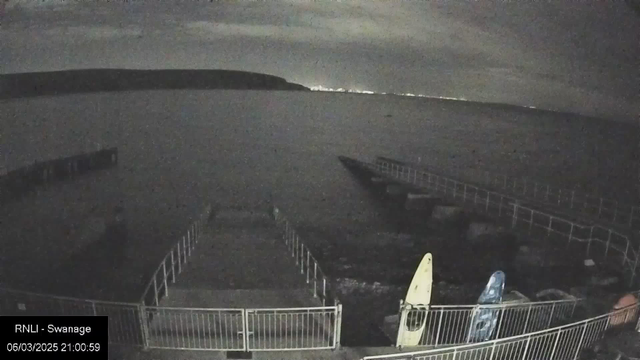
pixel 358 91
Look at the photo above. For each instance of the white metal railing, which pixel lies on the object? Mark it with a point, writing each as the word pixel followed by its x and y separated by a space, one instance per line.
pixel 308 264
pixel 242 329
pixel 173 263
pixel 559 343
pixel 593 206
pixel 124 318
pixel 450 324
pixel 508 209
pixel 293 328
pixel 193 328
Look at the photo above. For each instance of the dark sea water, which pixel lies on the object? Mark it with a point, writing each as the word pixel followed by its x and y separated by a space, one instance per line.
pixel 180 150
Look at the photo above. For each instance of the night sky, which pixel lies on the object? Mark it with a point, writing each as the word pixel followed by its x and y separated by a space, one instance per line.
pixel 571 56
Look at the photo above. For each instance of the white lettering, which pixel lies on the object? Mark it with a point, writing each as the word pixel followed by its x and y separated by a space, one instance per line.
pixel 80 330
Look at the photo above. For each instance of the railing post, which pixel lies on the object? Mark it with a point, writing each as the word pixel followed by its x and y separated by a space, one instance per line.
pixel 547 196
pixel 301 255
pixel 144 325
pixel 337 326
pixel 184 249
pixel 500 207
pixel 555 345
pixel 401 325
pixel 245 326
pixel 179 260
pixel 308 274
pixel 173 268
pixel 571 232
pixel 315 278
pixel 499 327
pixel 164 270
pixel 324 291
pixel 439 327
pixel 559 196
pixel 155 289
pixel 514 218
pixel 493 350
pixel 600 207
pixel 584 330
pixel 553 307
pixel 93 306
pixel 189 242
pixel 526 348
pixel 573 194
pixel 606 251
pixel 549 228
pixel 526 322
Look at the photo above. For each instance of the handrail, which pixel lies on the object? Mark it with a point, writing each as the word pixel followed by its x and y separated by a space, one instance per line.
pixel 494 306
pixel 508 208
pixel 298 250
pixel 599 207
pixel 510 339
pixel 188 242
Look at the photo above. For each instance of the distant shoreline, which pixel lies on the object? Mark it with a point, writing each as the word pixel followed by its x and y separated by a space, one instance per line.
pixel 64 82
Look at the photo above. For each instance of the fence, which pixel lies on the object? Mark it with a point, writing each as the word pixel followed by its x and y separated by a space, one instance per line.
pixel 173 262
pixel 308 264
pixel 559 343
pixel 450 324
pixel 124 318
pixel 508 210
pixel 242 329
pixel 16 183
pixel 592 206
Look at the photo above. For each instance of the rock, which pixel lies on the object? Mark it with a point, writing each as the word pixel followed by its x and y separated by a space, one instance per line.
pixel 390 326
pixel 420 201
pixel 624 316
pixel 530 257
pixel 442 213
pixel 604 281
pixel 478 229
pixel 515 297
pixel 346 286
pixel 394 189
pixel 386 239
pixel 589 262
